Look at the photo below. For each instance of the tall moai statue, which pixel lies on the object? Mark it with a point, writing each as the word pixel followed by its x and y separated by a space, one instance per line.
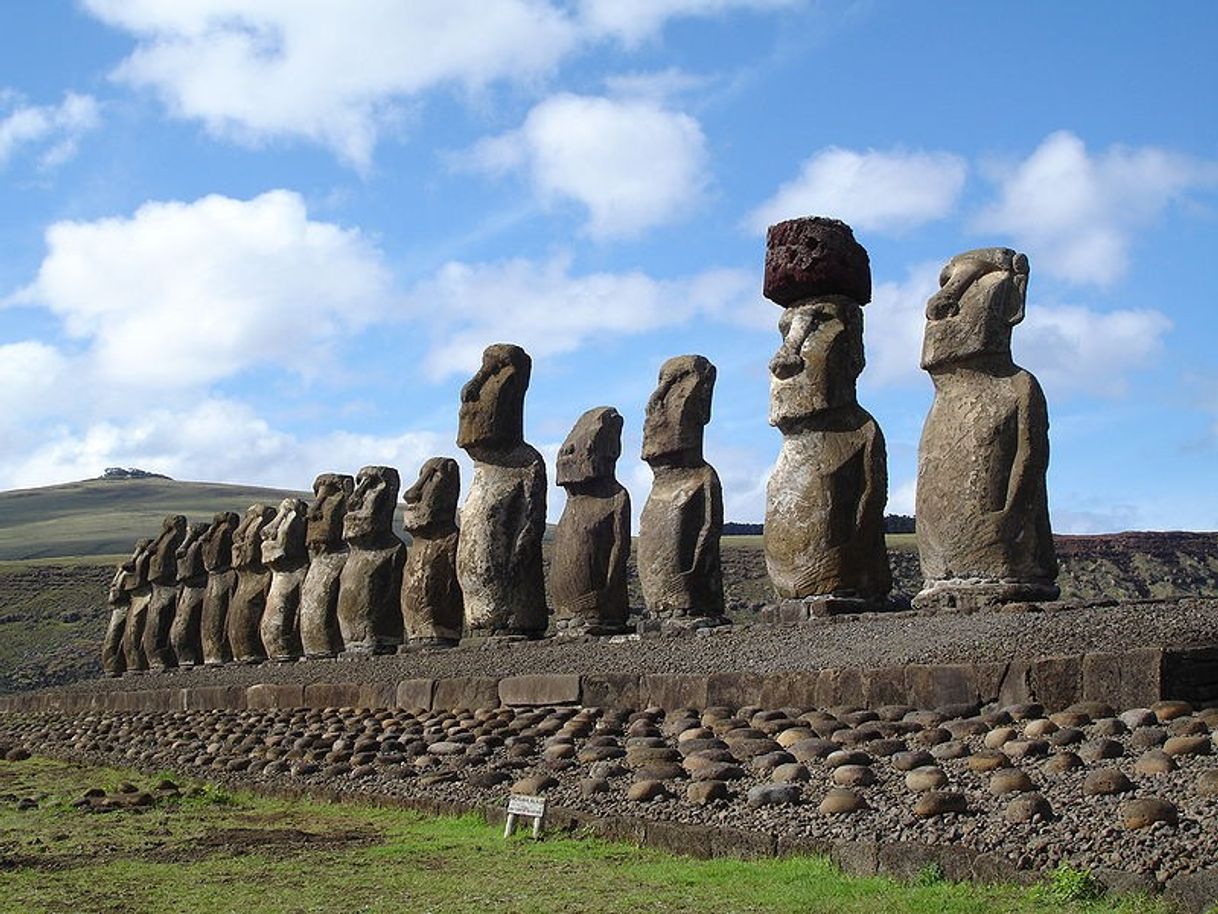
pixel 285 553
pixel 139 590
pixel 163 573
pixel 248 603
pixel 319 635
pixel 682 520
pixel 433 610
pixel 504 516
pixel 982 505
pixel 592 543
pixel 114 658
pixel 185 635
pixel 370 585
pixel 221 584
pixel 824 521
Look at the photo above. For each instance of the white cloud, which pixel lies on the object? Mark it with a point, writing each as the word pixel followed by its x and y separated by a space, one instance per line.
pixel 631 162
pixel 893 325
pixel 634 21
pixel 1076 213
pixel 56 129
pixel 31 376
pixel 873 190
pixel 183 294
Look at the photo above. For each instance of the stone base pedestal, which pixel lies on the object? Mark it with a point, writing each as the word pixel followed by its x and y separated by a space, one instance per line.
pixel 972 594
pixel 413 645
pixel 579 628
pixel 679 625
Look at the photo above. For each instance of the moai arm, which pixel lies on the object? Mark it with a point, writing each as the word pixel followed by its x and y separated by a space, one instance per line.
pixel 1031 459
pixel 875 479
pixel 621 544
pixel 712 521
pixel 531 519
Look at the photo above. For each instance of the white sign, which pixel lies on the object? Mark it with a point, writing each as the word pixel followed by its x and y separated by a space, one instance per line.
pixel 527 807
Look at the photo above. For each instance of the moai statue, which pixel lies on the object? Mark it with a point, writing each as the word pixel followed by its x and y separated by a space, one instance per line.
pixel 248 602
pixel 592 543
pixel 114 659
pixel 824 522
pixel 185 635
pixel 432 608
pixel 139 595
pixel 982 506
pixel 284 552
pixel 504 517
pixel 682 520
pixel 319 634
pixel 370 585
pixel 163 573
pixel 221 584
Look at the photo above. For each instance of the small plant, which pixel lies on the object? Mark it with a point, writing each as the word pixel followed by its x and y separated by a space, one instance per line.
pixel 929 875
pixel 1068 883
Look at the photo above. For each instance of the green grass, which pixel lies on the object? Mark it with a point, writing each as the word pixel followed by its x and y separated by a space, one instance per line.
pixel 897 542
pixel 222 852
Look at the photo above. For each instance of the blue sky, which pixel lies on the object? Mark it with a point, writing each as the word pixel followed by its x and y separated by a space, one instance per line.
pixel 255 240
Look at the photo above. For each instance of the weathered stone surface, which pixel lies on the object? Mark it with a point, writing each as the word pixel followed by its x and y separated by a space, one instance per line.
pixel 221 583
pixel 185 633
pixel 939 802
pixel 679 530
pixel 1146 811
pixel 319 634
pixel 284 552
pixel 539 690
pixel 163 575
pixel 503 519
pixel 139 592
pixel 982 505
pixel 268 695
pixel 248 601
pixel 824 530
pixel 433 610
pixel 1105 782
pixel 466 693
pixel 592 541
pixel 370 584
pixel 415 693
pixel 1027 806
pixel 114 658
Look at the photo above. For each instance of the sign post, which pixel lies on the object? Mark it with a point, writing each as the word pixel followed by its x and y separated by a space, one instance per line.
pixel 525 807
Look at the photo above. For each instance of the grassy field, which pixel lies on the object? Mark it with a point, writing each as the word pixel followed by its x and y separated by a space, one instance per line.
pixel 217 851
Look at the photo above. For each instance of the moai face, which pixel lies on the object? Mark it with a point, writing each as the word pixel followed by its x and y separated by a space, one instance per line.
pixel 820 359
pixel 678 411
pixel 370 507
pixel 190 554
pixel 431 502
pixel 283 539
pixel 218 541
pixel 325 528
pixel 492 402
pixel 981 297
pixel 592 449
pixel 128 577
pixel 247 539
pixel 163 567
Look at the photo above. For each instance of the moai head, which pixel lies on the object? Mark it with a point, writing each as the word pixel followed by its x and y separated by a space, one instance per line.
pixel 189 556
pixel 325 529
pixel 431 503
pixel 283 539
pixel 370 507
pixel 591 450
pixel 492 402
pixel 163 567
pixel 821 276
pixel 981 296
pixel 247 539
pixel 128 577
pixel 218 541
pixel 677 412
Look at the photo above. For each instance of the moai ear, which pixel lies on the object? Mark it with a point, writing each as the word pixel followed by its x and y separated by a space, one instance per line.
pixel 348 484
pixel 1017 299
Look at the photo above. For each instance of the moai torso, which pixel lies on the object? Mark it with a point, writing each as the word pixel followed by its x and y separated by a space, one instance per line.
pixel 370 584
pixel 592 542
pixel 503 519
pixel 319 634
pixel 114 659
pixel 140 593
pixel 433 609
pixel 221 583
pixel 185 635
pixel 163 573
pixel 253 581
pixel 284 552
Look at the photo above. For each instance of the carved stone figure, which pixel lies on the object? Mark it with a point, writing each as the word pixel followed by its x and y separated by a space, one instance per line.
pixel 824 524
pixel 319 635
pixel 682 520
pixel 284 552
pixel 185 635
pixel 982 505
pixel 221 583
pixel 163 573
pixel 592 542
pixel 432 608
pixel 248 602
pixel 504 516
pixel 114 659
pixel 139 591
pixel 370 585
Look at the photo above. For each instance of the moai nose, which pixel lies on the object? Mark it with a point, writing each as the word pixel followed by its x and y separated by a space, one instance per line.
pixel 786 364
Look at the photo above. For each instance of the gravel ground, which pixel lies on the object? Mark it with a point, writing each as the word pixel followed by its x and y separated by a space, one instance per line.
pixel 847 641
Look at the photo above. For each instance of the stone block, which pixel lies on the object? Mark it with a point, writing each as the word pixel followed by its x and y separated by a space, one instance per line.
pixel 468 693
pixel 332 695
pixel 905 860
pixel 938 685
pixel 740 843
pixel 789 690
pixel 269 695
pixel 538 690
pixel 687 840
pixel 416 693
pixel 1057 682
pixel 1130 679
pixel 671 691
pixel 988 679
pixel 733 690
pixel 617 828
pixel 856 858
pixel 611 690
pixel 884 686
pixel 1191 674
pixel 803 846
pixel 214 698
pixel 839 687
pixel 1016 686
pixel 378 695
pixel 1193 893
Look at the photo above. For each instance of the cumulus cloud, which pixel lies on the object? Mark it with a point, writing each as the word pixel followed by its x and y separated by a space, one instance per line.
pixel 873 191
pixel 1076 213
pixel 53 129
pixel 183 294
pixel 632 163
pixel 633 21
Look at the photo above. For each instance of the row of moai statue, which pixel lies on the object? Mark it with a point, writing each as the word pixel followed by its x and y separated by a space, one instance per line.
pixel 329 578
